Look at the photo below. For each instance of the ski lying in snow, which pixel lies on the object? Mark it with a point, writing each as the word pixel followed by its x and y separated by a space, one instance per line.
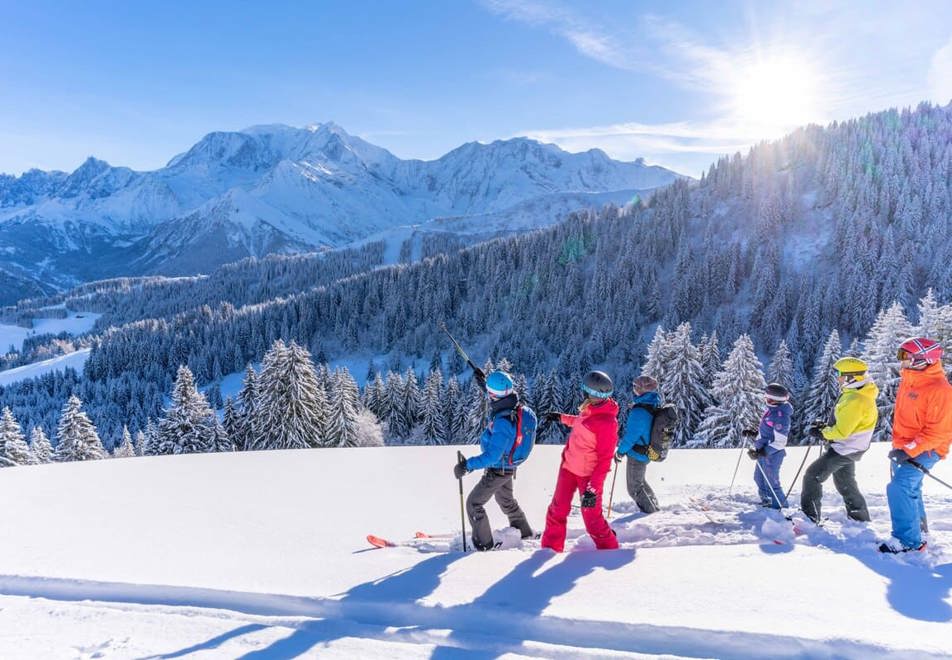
pixel 379 542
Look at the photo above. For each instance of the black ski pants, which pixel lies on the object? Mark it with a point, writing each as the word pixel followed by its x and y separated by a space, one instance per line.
pixel 843 471
pixel 638 488
pixel 498 484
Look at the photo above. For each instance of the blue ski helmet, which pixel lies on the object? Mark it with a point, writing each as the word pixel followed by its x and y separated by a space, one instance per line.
pixel 499 384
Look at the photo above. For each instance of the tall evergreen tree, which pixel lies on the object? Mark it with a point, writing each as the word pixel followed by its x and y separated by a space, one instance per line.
pixel 13 447
pixel 823 391
pixel 781 367
pixel 889 330
pixel 683 385
pixel 124 449
pixel 247 398
pixel 291 408
pixel 140 443
pixel 739 395
pixel 76 437
pixel 432 414
pixel 187 426
pixel 342 422
pixel 40 445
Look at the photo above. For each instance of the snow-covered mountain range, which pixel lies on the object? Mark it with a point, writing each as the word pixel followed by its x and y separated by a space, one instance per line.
pixel 281 189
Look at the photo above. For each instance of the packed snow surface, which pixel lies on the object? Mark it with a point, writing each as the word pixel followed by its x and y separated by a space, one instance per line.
pixel 263 555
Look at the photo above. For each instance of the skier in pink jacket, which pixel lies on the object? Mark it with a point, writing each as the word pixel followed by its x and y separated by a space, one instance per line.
pixel 586 461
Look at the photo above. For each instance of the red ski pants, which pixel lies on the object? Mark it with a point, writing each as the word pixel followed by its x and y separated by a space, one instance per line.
pixel 555 518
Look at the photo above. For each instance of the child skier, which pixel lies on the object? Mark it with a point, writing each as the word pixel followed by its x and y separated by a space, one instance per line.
pixel 586 461
pixel 497 445
pixel 769 449
pixel 922 429
pixel 634 443
pixel 849 436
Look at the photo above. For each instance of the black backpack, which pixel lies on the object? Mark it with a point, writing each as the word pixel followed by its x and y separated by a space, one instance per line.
pixel 664 421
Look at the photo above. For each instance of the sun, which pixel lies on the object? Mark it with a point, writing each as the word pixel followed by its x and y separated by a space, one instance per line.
pixel 777 92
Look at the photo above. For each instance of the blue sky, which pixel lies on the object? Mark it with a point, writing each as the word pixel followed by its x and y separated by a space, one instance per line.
pixel 677 83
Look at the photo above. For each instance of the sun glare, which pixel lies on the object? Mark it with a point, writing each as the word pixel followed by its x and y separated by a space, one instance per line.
pixel 776 92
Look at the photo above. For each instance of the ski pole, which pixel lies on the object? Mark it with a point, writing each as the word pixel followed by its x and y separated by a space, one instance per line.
pixel 799 470
pixel 611 493
pixel 459 349
pixel 926 472
pixel 462 509
pixel 767 480
pixel 736 468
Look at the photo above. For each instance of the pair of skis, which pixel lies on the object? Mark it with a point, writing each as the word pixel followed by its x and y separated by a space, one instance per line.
pixel 419 539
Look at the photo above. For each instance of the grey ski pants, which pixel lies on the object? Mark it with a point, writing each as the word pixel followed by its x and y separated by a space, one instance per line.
pixel 638 488
pixel 498 484
pixel 843 470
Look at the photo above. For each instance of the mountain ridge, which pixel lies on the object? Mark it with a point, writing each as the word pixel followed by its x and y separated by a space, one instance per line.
pixel 278 188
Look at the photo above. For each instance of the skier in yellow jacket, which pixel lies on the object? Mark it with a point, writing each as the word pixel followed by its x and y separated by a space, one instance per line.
pixel 849 437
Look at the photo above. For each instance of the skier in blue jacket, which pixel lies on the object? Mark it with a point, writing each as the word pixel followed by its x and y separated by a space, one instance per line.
pixel 496 445
pixel 769 449
pixel 634 443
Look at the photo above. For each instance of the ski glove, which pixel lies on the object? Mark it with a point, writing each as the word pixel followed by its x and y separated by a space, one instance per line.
pixel 459 470
pixel 552 416
pixel 899 456
pixel 619 458
pixel 588 499
pixel 754 454
pixel 749 433
pixel 480 377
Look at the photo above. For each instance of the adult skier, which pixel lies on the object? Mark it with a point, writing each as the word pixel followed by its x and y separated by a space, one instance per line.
pixel 922 429
pixel 769 448
pixel 586 461
pixel 497 445
pixel 849 436
pixel 634 443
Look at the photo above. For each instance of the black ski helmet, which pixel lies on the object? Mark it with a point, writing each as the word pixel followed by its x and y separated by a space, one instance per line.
pixel 598 385
pixel 777 392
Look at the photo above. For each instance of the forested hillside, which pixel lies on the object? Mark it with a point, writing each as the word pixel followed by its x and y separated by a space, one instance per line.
pixel 813 233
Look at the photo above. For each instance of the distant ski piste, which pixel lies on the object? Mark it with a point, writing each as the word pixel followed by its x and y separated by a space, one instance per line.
pixel 74 360
pixel 75 324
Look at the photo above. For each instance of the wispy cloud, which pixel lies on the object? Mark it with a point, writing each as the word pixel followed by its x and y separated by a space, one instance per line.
pixel 940 74
pixel 589 39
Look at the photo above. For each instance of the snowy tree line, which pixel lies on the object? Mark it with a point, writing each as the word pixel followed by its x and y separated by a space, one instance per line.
pixel 293 403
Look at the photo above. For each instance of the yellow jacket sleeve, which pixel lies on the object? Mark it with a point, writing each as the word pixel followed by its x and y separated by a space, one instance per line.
pixel 848 414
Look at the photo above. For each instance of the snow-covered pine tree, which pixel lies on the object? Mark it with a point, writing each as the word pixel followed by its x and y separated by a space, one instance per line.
pixel 823 391
pixel 342 416
pixel 76 437
pixel 395 417
pixel 683 386
pixel 889 330
pixel 40 445
pixel 291 409
pixel 781 367
pixel 13 447
pixel 151 438
pixel 231 422
pixel 187 426
pixel 475 409
pixel 710 359
pixel 739 395
pixel 411 404
pixel 140 443
pixel 221 442
pixel 432 413
pixel 656 356
pixel 455 420
pixel 247 399
pixel 124 449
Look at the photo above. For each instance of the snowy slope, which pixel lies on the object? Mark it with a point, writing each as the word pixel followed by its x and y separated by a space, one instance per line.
pixel 262 555
pixel 75 360
pixel 276 189
pixel 76 323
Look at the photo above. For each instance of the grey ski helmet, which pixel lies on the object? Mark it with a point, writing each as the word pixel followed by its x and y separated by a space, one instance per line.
pixel 776 393
pixel 598 385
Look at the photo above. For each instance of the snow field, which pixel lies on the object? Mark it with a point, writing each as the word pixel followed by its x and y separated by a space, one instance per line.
pixel 262 554
pixel 74 360
pixel 75 324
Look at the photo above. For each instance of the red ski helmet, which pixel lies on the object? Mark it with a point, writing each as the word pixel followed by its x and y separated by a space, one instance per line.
pixel 920 351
